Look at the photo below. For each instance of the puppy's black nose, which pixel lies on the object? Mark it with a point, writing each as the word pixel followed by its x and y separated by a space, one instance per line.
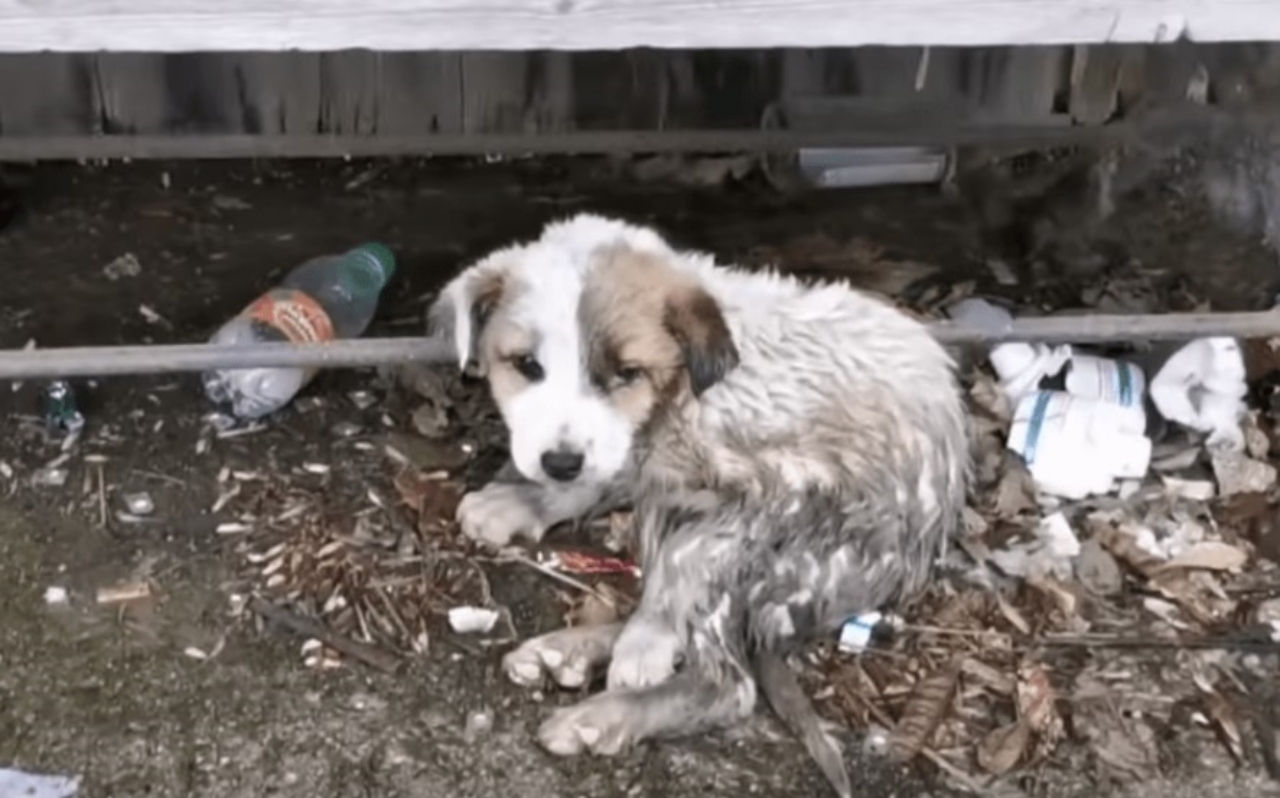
pixel 561 465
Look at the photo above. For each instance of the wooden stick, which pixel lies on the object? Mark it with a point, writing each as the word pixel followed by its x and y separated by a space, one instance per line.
pixel 306 627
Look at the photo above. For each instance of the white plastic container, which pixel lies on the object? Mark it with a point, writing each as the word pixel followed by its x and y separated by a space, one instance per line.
pixel 1115 381
pixel 1203 386
pixel 1076 447
pixel 1021 367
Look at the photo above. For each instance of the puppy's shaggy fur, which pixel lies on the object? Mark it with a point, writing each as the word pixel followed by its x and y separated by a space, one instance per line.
pixel 794 455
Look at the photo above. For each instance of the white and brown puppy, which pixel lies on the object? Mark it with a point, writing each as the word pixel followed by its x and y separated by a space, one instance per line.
pixel 794 455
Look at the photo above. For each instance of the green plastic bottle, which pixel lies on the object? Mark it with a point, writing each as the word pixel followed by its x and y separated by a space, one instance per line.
pixel 324 299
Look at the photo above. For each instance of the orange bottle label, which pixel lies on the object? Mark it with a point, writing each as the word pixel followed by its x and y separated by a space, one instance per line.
pixel 295 314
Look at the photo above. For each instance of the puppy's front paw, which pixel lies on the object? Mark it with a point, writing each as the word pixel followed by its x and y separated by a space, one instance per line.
pixel 600 725
pixel 568 656
pixel 646 654
pixel 499 513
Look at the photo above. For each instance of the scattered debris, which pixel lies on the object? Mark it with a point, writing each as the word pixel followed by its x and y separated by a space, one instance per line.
pixel 124 593
pixel 582 562
pixel 472 620
pixel 928 706
pixel 126 265
pixel 1237 473
pixel 29 785
pixel 479 723
pixel 151 316
pixel 224 202
pixel 139 504
pixel 59 407
pixel 374 657
pixel 856 632
pixel 54 595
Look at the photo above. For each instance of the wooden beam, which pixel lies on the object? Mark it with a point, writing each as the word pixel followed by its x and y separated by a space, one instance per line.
pixel 274 25
pixel 53 148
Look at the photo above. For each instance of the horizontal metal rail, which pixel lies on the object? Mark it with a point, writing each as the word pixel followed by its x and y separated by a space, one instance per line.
pixel 106 361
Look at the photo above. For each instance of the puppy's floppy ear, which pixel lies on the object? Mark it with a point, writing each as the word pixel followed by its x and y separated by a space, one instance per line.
pixel 461 310
pixel 694 320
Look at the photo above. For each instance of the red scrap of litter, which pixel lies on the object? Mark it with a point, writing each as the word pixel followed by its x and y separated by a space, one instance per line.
pixel 581 562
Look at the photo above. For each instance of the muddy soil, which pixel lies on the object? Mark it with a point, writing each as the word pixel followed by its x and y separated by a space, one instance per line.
pixel 125 699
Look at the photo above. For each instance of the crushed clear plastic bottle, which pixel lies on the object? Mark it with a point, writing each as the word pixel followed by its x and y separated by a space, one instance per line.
pixel 326 298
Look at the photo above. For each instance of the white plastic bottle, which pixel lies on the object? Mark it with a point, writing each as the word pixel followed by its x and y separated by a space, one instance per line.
pixel 326 298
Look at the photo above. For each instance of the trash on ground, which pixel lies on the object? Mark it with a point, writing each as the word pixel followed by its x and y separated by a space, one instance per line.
pixel 55 595
pixel 139 503
pixel 584 562
pixel 1025 368
pixel 124 593
pixel 856 633
pixel 126 265
pixel 1202 387
pixel 472 620
pixel 1050 553
pixel 17 784
pixel 1076 447
pixel 59 407
pixel 479 723
pixel 326 298
pixel 1236 472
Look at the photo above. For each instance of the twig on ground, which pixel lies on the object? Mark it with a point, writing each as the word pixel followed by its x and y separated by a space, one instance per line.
pixel 298 624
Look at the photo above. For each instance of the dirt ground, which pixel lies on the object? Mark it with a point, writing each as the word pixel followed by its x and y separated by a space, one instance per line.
pixel 178 695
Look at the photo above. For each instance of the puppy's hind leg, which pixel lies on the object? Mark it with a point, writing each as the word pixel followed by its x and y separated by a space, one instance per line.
pixel 694 700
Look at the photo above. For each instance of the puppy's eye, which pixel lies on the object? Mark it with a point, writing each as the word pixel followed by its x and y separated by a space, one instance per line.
pixel 627 375
pixel 529 367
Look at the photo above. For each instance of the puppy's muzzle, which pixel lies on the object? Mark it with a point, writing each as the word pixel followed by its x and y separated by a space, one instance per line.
pixel 562 465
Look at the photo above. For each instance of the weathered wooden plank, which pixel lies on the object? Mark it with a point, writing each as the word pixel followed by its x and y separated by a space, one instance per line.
pixel 45 94
pixel 420 93
pixel 130 93
pixel 494 88
pixel 1020 84
pixel 349 93
pixel 1096 71
pixel 276 93
pixel 319 25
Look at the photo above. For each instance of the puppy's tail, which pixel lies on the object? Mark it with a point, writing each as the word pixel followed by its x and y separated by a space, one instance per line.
pixel 782 690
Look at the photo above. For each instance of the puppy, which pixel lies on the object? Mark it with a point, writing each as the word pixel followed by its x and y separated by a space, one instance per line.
pixel 793 455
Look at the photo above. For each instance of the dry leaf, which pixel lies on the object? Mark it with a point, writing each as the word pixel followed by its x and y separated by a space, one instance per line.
pixel 997 681
pixel 1016 491
pixel 1222 715
pixel 1123 544
pixel 1054 589
pixel 1012 615
pixel 1036 706
pixel 1210 555
pixel 1001 749
pixel 1124 746
pixel 923 713
pixel 1097 570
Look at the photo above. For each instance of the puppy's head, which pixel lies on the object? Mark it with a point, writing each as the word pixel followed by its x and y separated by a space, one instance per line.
pixel 586 337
